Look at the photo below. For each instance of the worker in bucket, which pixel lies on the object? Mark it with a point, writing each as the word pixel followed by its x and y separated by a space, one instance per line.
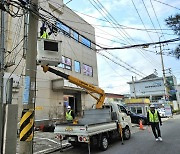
pixel 69 114
pixel 154 119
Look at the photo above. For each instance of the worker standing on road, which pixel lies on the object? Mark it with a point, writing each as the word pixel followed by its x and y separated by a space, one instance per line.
pixel 153 119
pixel 69 114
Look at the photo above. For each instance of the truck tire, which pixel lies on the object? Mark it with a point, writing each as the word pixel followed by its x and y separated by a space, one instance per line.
pixel 126 133
pixel 104 143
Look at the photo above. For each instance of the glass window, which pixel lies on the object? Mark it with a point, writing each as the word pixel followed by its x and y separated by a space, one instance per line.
pixel 77 66
pixel 139 110
pixel 76 36
pixel 123 109
pixel 87 70
pixel 63 27
pixel 133 109
pixel 86 42
pixel 66 63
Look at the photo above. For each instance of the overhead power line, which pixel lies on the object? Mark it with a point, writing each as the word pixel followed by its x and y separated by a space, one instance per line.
pixel 141 19
pixel 167 4
pixel 150 17
pixel 118 25
pixel 141 45
pixel 101 48
pixel 128 69
pixel 113 21
pixel 157 19
pixel 131 67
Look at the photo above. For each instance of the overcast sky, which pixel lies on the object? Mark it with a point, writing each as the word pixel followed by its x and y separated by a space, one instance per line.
pixel 128 14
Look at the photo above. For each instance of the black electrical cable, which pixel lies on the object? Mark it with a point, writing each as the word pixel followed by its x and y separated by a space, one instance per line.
pixel 141 19
pixel 167 4
pixel 141 45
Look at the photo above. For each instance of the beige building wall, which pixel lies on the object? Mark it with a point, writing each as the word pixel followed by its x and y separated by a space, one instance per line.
pixel 50 103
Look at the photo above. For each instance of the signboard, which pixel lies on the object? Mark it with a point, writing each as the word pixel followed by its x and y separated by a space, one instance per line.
pixel 168 111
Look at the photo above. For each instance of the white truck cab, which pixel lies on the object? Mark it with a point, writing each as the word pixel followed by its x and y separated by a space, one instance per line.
pixel 120 111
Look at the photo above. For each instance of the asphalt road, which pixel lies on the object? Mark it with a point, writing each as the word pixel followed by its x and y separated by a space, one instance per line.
pixel 142 142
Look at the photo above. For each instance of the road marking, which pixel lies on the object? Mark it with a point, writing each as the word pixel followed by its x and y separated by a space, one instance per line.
pixel 47 139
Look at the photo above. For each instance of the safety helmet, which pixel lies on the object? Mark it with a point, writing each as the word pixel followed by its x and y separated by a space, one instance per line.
pixel 152 106
pixel 69 107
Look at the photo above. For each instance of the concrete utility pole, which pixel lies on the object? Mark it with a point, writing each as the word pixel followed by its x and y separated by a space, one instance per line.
pixel 27 120
pixel 2 52
pixel 163 70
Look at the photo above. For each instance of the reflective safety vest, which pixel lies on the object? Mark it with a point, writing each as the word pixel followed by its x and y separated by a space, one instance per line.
pixel 153 117
pixel 45 35
pixel 69 116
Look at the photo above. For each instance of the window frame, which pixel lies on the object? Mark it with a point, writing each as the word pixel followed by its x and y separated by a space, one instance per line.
pixel 65 65
pixel 83 41
pixel 86 71
pixel 75 61
pixel 63 27
pixel 73 34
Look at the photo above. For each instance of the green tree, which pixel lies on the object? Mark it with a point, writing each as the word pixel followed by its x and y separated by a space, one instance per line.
pixel 174 23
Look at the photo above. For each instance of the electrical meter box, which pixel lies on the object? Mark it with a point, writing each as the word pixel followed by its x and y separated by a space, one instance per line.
pixel 48 52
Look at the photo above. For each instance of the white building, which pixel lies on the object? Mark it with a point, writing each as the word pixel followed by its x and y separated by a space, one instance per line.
pixel 152 87
pixel 78 59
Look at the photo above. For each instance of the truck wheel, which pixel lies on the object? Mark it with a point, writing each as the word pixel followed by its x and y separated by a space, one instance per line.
pixel 126 133
pixel 104 143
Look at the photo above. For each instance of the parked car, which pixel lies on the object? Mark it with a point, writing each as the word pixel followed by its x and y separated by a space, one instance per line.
pixel 162 112
pixel 136 118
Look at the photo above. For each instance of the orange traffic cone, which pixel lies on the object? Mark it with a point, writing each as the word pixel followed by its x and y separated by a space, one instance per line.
pixel 141 125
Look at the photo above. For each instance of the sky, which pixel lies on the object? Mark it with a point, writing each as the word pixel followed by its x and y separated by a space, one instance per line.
pixel 123 23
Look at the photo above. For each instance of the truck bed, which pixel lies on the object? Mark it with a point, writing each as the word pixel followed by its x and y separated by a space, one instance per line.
pixel 94 121
pixel 85 130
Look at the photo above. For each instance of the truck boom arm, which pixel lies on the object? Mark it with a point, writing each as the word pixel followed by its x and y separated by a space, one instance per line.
pixel 89 87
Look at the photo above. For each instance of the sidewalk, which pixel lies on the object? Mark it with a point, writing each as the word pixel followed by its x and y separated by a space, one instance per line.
pixel 45 142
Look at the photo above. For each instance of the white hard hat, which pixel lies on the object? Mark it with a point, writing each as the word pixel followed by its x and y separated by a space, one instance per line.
pixel 152 106
pixel 69 107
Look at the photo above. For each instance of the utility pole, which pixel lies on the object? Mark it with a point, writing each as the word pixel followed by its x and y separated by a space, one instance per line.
pixel 27 120
pixel 134 87
pixel 163 70
pixel 2 52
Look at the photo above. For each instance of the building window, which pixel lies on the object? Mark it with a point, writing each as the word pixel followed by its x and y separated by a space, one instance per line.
pixel 85 41
pixel 87 70
pixel 77 66
pixel 66 63
pixel 63 27
pixel 76 36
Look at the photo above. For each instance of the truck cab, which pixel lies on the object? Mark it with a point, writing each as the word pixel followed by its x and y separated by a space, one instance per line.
pixel 120 114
